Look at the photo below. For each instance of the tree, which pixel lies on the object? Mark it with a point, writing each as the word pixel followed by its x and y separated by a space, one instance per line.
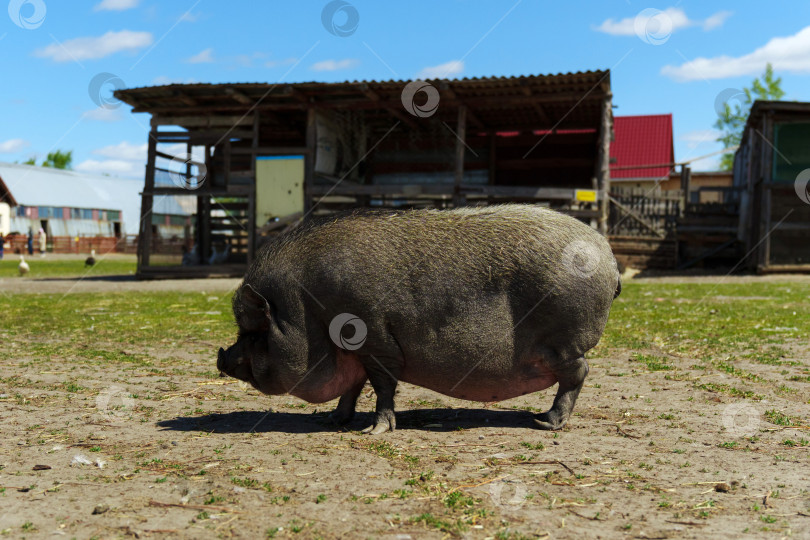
pixel 731 122
pixel 30 161
pixel 59 159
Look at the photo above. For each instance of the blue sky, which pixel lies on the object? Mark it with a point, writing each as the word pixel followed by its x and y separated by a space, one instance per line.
pixel 665 57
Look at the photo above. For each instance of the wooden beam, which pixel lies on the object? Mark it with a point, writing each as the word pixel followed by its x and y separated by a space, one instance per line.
pixel 410 190
pixel 297 94
pixel 226 166
pixel 448 91
pixel 309 160
pixel 270 150
pixel 565 98
pixel 147 202
pixel 226 121
pixel 493 156
pixel 239 96
pixel 767 194
pixel 541 112
pixel 251 221
pixel 603 157
pixel 183 98
pixel 396 113
pixel 461 134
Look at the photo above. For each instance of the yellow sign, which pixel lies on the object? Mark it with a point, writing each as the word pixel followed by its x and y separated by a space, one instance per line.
pixel 585 195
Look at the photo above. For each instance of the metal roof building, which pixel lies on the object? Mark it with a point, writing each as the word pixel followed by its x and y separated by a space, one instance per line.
pixel 29 186
pixel 638 141
pixel 437 143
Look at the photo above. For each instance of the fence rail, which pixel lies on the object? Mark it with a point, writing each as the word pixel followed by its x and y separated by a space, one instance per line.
pixel 76 245
pixel 644 212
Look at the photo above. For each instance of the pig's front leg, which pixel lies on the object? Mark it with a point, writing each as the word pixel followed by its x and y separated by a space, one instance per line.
pixel 570 378
pixel 344 411
pixel 383 375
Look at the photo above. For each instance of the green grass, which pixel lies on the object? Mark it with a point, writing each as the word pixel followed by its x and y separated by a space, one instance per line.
pixel 98 328
pixel 689 319
pixel 53 268
pixel 109 328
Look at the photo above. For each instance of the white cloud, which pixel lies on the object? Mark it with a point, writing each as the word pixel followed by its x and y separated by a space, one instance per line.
pixel 102 114
pixel 12 146
pixel 708 163
pixel 123 151
pixel 675 16
pixel 791 54
pixel 278 63
pixel 188 16
pixel 716 20
pixel 334 65
pixel 699 137
pixel 442 71
pixel 117 167
pixel 163 79
pixel 115 5
pixel 92 48
pixel 206 56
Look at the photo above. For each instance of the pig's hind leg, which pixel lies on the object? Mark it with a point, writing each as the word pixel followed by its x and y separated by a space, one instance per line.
pixel 344 411
pixel 570 378
pixel 383 375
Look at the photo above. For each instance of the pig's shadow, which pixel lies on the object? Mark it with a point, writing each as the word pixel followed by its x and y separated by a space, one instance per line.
pixel 442 419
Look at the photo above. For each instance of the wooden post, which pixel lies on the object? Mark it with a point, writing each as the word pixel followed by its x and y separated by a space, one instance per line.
pixel 205 206
pixel 766 187
pixel 493 157
pixel 461 135
pixel 309 159
pixel 686 185
pixel 603 155
pixel 251 219
pixel 226 162
pixel 147 201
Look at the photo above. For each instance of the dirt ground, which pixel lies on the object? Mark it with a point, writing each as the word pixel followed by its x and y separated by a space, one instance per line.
pixel 142 454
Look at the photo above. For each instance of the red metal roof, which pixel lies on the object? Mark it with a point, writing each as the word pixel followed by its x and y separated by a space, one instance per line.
pixel 641 140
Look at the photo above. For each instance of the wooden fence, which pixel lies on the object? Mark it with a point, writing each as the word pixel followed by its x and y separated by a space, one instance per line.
pixel 644 212
pixel 71 244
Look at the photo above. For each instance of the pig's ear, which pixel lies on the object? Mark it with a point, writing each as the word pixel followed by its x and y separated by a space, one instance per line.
pixel 256 307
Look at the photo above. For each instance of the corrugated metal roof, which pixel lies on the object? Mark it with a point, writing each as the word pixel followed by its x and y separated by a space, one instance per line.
pixel 566 100
pixel 503 81
pixel 641 140
pixel 40 186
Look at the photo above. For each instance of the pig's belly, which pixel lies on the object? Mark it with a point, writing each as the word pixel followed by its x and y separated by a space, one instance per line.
pixel 483 385
pixel 349 372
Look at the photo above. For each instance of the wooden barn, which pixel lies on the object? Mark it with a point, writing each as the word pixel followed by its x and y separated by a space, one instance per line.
pixel 256 157
pixel 771 174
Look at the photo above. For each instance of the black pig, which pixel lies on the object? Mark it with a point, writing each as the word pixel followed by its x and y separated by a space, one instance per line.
pixel 483 304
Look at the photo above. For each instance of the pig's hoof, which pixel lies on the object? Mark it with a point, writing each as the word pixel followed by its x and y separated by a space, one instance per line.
pixel 376 430
pixel 382 423
pixel 340 418
pixel 549 422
